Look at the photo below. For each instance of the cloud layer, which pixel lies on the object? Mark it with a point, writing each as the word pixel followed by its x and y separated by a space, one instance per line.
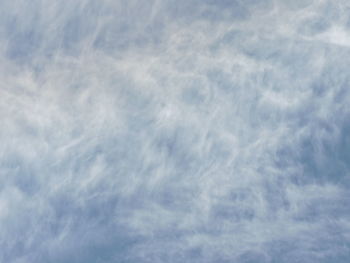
pixel 174 131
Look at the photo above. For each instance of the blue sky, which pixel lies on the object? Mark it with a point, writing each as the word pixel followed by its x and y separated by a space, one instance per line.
pixel 174 131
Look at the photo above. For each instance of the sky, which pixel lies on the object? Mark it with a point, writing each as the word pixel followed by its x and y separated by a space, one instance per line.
pixel 163 131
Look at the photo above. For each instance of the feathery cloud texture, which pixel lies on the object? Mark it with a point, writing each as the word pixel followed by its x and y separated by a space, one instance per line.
pixel 174 131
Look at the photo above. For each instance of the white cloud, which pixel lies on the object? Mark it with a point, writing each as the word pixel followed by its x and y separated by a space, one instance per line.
pixel 173 131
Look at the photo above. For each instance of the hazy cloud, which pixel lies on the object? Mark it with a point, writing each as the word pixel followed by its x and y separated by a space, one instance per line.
pixel 174 131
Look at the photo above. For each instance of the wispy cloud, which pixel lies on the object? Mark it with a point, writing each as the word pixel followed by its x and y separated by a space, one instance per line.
pixel 174 131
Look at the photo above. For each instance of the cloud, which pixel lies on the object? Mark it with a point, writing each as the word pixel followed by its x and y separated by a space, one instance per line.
pixel 174 131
